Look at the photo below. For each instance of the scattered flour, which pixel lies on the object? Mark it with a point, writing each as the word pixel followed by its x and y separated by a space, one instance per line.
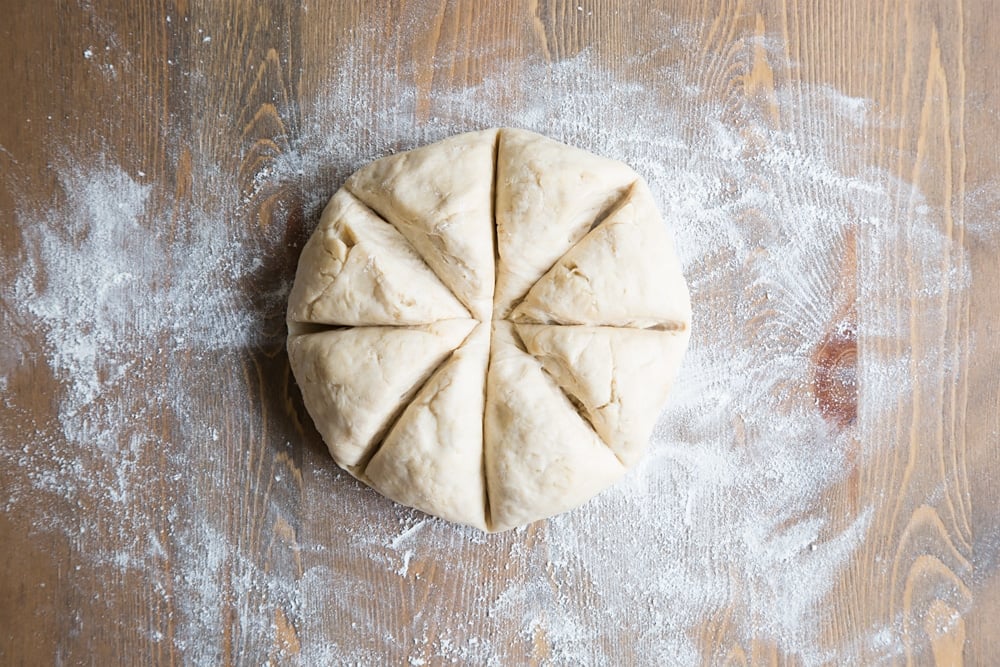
pixel 127 306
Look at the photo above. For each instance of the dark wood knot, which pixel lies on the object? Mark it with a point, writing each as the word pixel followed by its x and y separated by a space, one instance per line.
pixel 835 374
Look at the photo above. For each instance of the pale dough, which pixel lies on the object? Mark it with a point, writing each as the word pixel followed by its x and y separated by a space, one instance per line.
pixel 487 328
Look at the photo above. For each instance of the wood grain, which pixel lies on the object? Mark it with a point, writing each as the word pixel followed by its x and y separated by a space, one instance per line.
pixel 173 87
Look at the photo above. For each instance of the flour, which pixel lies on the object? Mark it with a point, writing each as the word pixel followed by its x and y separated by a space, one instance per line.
pixel 128 305
pixel 111 290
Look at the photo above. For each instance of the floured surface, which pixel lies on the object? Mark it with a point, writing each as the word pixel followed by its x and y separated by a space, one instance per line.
pixel 168 465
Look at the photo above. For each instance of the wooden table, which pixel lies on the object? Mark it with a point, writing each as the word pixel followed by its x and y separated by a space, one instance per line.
pixel 211 528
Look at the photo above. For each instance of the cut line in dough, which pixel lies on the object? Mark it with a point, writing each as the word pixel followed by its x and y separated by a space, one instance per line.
pixel 360 271
pixel 439 198
pixel 609 278
pixel 353 380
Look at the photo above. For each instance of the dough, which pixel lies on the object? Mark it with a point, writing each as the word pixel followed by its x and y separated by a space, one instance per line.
pixel 487 328
pixel 355 380
pixel 357 270
pixel 433 457
pixel 440 198
pixel 540 453
pixel 548 196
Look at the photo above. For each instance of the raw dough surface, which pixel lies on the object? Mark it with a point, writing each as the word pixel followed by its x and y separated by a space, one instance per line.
pixel 487 328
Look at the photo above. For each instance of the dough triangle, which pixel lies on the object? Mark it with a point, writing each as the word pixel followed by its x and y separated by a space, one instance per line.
pixel 621 377
pixel 623 273
pixel 357 269
pixel 432 458
pixel 548 197
pixel 355 381
pixel 440 197
pixel 541 456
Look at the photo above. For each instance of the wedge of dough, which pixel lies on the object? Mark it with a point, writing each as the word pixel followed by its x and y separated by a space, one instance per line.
pixel 355 381
pixel 621 377
pixel 623 273
pixel 357 269
pixel 548 197
pixel 432 458
pixel 541 456
pixel 440 197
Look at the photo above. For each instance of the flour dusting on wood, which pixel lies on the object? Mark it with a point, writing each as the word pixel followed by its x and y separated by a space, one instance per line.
pixel 728 517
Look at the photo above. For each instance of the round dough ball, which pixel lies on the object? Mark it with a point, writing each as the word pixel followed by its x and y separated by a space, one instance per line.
pixel 487 328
